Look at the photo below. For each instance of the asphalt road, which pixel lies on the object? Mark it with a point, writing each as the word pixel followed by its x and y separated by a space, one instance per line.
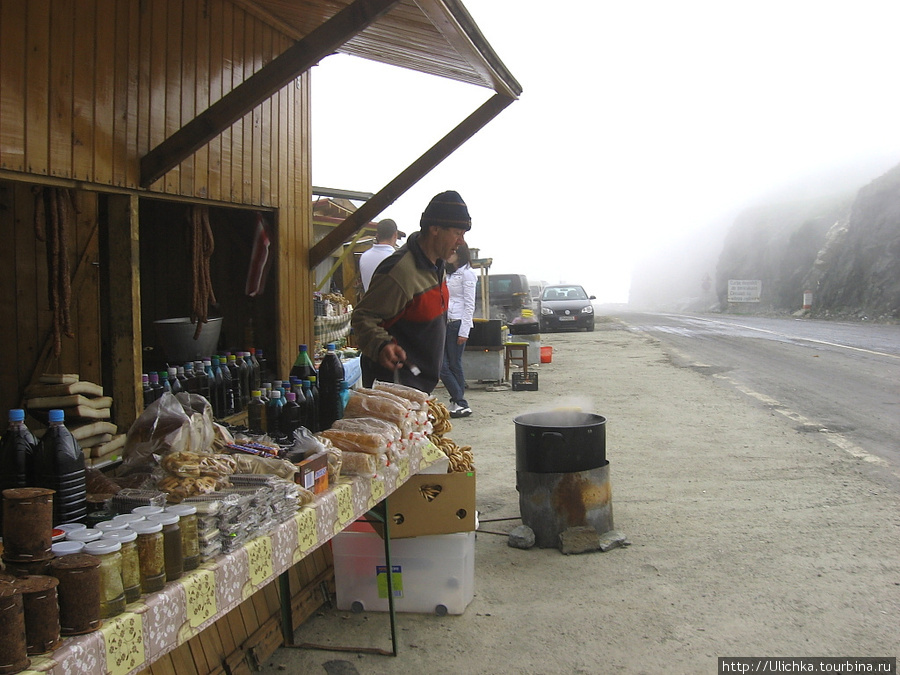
pixel 840 379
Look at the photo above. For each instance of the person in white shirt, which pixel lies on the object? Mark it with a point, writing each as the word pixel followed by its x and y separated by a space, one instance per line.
pixel 386 236
pixel 461 285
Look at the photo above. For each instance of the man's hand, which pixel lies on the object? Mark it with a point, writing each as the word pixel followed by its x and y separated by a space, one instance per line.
pixel 392 356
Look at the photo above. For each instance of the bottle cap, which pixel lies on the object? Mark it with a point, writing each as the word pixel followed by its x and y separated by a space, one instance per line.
pixel 102 547
pixel 60 548
pixel 110 525
pixel 276 394
pixel 147 510
pixel 128 518
pixel 16 415
pixel 291 396
pixel 147 527
pixel 182 510
pixel 164 518
pixel 330 346
pixel 86 535
pixel 257 393
pixel 121 536
pixel 56 416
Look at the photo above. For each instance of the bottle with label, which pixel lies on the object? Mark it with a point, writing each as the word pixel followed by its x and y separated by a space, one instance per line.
pixel 17 448
pixel 290 416
pixel 216 387
pixel 202 378
pixel 273 414
pixel 190 380
pixel 331 374
pixel 175 385
pixel 59 465
pixel 303 365
pixel 256 414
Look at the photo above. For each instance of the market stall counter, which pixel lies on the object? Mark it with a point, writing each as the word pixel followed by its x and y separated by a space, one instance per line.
pixel 160 622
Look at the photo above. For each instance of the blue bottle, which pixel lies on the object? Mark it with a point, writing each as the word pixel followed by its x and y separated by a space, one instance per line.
pixel 59 465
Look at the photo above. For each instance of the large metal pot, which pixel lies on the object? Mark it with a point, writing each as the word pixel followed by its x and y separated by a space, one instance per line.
pixel 560 441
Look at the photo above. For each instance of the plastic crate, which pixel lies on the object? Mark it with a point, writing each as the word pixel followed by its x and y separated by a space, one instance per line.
pixel 525 381
pixel 434 574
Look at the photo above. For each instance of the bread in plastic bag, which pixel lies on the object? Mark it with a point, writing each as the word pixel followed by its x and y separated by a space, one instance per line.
pixel 356 441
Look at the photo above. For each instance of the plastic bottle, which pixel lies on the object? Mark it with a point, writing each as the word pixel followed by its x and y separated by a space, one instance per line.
pixel 331 374
pixel 230 403
pixel 312 406
pixel 273 414
pixel 59 465
pixel 164 382
pixel 202 379
pixel 244 372
pixel 147 390
pixel 255 373
pixel 235 371
pixel 175 385
pixel 256 414
pixel 290 416
pixel 303 365
pixel 190 379
pixel 17 449
pixel 263 365
pixel 182 378
pixel 217 387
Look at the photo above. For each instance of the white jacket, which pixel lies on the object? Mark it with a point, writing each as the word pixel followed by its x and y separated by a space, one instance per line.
pixel 461 285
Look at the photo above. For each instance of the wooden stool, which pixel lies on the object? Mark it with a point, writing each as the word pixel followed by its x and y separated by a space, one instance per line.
pixel 516 352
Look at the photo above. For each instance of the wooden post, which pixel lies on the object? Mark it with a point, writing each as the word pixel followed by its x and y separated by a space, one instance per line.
pixel 124 307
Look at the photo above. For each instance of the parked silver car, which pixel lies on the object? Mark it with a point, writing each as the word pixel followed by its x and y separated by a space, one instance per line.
pixel 566 307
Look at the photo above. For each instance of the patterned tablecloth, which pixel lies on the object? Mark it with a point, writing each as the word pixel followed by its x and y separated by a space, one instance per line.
pixel 159 622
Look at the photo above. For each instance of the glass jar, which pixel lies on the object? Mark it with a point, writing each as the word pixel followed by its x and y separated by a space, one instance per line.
pixel 127 518
pixel 112 591
pixel 131 565
pixel 174 556
pixel 61 548
pixel 190 539
pixel 147 510
pixel 151 555
pixel 110 526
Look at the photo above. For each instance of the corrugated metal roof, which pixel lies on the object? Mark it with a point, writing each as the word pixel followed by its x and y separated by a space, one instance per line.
pixel 437 37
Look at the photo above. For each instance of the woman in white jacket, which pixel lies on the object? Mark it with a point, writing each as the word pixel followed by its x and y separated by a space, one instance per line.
pixel 461 284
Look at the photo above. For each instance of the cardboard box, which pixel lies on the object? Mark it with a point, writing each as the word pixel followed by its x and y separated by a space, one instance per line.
pixel 433 504
pixel 313 473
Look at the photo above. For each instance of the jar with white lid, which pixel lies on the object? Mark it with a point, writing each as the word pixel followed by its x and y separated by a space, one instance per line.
pixel 71 527
pixel 151 555
pixel 112 590
pixel 147 510
pixel 127 518
pixel 110 526
pixel 190 538
pixel 174 556
pixel 61 548
pixel 131 566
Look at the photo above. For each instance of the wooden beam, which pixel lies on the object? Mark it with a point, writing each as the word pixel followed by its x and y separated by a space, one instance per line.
pixel 408 177
pixel 260 86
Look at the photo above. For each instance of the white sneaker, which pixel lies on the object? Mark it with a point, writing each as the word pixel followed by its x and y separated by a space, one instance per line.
pixel 461 412
pixel 454 407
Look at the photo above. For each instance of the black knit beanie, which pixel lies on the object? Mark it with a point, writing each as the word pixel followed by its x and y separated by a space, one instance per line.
pixel 446 210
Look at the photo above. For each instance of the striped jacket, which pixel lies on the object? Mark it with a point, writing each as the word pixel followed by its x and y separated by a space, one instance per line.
pixel 406 303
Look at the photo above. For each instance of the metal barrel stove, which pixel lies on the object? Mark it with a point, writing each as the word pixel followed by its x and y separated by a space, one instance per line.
pixel 562 473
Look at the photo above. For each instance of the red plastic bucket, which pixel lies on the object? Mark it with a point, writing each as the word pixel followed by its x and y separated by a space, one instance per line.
pixel 546 354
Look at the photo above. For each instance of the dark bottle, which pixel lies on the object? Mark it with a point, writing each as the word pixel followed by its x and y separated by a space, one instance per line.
pixel 17 449
pixel 263 365
pixel 312 405
pixel 146 389
pixel 256 414
pixel 303 366
pixel 182 378
pixel 217 387
pixel 228 401
pixel 156 389
pixel 290 416
pixel 164 381
pixel 331 374
pixel 255 373
pixel 235 371
pixel 59 465
pixel 273 414
pixel 174 383
pixel 303 403
pixel 245 376
pixel 190 378
pixel 202 379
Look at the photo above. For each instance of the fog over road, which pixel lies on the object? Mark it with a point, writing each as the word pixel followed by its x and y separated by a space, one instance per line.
pixel 840 379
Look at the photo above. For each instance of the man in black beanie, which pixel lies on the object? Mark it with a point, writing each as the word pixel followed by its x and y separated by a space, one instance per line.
pixel 400 324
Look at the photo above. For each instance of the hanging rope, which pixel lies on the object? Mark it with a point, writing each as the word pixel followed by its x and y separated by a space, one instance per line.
pixel 54 217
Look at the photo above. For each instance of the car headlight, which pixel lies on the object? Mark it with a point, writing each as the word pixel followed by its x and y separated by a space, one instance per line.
pixel 589 309
pixel 546 311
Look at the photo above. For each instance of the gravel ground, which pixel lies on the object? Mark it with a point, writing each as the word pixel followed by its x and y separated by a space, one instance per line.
pixel 748 538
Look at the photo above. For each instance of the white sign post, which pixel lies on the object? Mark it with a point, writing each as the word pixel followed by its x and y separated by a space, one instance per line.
pixel 744 290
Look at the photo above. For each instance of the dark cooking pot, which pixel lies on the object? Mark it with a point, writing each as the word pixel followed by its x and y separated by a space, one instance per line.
pixel 560 441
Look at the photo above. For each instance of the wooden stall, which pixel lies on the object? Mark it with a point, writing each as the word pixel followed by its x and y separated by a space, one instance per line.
pixel 124 121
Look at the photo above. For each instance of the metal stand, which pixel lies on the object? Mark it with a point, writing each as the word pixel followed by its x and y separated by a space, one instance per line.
pixel 378 514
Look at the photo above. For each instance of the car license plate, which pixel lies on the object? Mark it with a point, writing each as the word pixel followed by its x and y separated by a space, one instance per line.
pixel 567 318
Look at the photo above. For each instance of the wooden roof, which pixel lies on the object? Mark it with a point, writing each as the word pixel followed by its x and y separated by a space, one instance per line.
pixel 437 37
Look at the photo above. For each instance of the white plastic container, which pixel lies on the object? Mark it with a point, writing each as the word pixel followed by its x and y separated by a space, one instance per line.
pixel 432 575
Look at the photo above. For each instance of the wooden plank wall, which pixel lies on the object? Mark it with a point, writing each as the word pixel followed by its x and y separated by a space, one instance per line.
pixel 87 87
